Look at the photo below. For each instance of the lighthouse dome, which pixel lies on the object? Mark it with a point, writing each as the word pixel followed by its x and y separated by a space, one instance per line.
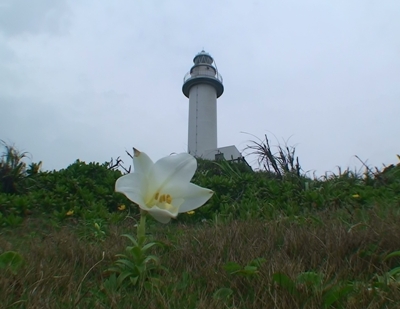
pixel 203 58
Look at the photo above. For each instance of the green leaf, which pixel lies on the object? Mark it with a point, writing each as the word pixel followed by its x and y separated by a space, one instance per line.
pixel 148 246
pixel 249 270
pixel 335 294
pixel 232 267
pixel 121 278
pixel 223 294
pixel 285 282
pixel 137 254
pixel 153 258
pixel 11 260
pixel 394 272
pixel 134 280
pixel 257 262
pixel 111 284
pixel 121 256
pixel 310 278
pixel 390 255
pixel 131 238
pixel 122 262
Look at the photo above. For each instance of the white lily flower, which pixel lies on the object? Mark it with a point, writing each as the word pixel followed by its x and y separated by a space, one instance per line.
pixel 163 189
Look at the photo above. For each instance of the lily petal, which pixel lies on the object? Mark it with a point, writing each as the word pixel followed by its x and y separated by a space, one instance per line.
pixel 141 162
pixel 174 170
pixel 194 196
pixel 133 186
pixel 161 215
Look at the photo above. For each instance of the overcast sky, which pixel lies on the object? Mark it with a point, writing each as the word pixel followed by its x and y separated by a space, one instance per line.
pixel 91 79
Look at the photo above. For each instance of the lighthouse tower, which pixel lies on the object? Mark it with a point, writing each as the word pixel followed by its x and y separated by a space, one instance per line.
pixel 202 85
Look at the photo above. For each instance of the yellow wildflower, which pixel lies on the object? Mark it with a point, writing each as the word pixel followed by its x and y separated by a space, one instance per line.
pixel 70 213
pixel 190 212
pixel 356 195
pixel 122 207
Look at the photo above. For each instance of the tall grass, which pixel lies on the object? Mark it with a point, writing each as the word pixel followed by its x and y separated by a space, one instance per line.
pixel 282 162
pixel 12 168
pixel 62 271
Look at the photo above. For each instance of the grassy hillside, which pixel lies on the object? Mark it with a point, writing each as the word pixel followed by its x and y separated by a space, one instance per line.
pixel 268 239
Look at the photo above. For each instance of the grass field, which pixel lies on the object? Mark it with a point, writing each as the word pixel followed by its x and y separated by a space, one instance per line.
pixel 64 268
pixel 265 240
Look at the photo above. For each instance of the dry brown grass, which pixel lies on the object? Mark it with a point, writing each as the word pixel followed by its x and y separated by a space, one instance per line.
pixel 62 271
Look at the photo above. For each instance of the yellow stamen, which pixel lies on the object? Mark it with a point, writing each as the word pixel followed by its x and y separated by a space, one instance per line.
pixel 164 198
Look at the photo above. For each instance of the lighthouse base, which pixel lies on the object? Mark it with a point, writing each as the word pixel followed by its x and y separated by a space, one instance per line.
pixel 229 153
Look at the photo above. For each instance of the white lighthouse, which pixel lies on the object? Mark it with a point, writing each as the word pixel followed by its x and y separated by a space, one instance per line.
pixel 203 85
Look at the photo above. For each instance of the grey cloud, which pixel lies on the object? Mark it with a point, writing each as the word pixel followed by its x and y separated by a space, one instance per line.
pixel 34 17
pixel 325 73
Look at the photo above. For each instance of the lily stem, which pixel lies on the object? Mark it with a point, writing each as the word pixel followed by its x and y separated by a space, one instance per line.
pixel 141 229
